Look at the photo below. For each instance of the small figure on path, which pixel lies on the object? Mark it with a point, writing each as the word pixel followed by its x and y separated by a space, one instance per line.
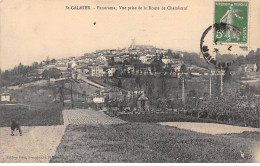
pixel 16 126
pixel 242 154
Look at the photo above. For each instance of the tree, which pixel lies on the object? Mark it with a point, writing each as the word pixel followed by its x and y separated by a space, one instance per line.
pixel 194 59
pixel 183 69
pixel 192 93
pixel 163 86
pixel 169 53
pixel 35 65
pixel 54 73
pixel 168 70
pixel 227 75
pixel 157 64
pixel 148 85
pixel 116 73
pixel 138 82
pixel 257 54
pixel 55 92
pixel 61 91
pixel 119 84
pixel 240 60
pixel 48 60
pixel 53 60
pixel 45 74
pixel 84 94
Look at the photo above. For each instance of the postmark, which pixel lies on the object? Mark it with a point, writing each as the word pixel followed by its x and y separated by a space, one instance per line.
pixel 213 51
pixel 230 33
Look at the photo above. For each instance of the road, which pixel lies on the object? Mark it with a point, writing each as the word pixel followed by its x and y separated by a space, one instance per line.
pixel 92 83
pixel 90 117
pixel 38 144
pixel 209 128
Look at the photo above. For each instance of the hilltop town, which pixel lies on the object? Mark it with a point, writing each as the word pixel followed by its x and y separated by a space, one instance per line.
pixel 121 79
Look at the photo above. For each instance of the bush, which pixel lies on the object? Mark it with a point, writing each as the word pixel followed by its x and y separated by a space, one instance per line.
pixel 203 114
pixel 163 117
pixel 40 114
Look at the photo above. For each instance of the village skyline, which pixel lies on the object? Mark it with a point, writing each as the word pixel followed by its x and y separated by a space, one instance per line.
pixel 95 53
pixel 64 33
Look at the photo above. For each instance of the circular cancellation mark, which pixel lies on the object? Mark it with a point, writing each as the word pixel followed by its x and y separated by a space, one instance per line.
pixel 211 49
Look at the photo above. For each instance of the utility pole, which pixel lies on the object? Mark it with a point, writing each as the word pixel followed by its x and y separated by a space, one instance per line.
pixel 62 93
pixel 258 110
pixel 221 82
pixel 183 90
pixel 258 116
pixel 71 95
pixel 210 85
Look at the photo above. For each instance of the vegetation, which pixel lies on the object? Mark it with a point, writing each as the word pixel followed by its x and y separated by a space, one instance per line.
pixel 40 114
pixel 19 74
pixel 255 136
pixel 51 73
pixel 237 106
pixel 194 59
pixel 147 142
pixel 252 58
pixel 163 117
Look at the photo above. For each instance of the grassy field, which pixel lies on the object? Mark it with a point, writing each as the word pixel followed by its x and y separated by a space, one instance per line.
pixel 41 114
pixel 246 135
pixel 147 142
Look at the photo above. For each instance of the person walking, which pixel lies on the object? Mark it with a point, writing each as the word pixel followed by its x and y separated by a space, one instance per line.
pixel 15 125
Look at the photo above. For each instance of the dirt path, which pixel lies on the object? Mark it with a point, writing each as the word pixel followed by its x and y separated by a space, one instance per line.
pixel 209 128
pixel 90 117
pixel 38 144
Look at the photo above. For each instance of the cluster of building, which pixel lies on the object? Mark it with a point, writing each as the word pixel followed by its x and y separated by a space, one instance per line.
pixel 104 63
pixel 247 68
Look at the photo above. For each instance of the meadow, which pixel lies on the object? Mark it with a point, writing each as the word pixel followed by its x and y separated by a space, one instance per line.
pixel 39 114
pixel 149 143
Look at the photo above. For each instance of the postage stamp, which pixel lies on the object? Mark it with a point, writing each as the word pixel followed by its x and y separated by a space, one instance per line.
pixel 235 15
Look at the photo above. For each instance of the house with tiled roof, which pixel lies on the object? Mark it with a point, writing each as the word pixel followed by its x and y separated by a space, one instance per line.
pixel 6 97
pixel 247 68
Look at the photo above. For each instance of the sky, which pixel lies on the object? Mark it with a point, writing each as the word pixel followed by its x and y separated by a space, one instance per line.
pixel 31 30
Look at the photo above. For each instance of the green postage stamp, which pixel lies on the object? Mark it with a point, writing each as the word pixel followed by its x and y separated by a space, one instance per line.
pixel 235 16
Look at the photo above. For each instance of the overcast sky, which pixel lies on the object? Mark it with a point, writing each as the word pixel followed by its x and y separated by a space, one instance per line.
pixel 31 30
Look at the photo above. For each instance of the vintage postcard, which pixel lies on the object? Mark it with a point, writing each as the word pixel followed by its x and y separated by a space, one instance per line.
pixel 129 81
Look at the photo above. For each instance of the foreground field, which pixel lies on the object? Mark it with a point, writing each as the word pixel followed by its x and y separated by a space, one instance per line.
pixel 144 142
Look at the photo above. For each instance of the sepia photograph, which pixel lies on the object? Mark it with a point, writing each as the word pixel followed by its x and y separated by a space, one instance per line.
pixel 129 81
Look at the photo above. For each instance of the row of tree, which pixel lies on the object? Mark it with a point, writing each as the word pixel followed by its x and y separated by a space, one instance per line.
pixel 253 57
pixel 19 74
pixel 238 104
